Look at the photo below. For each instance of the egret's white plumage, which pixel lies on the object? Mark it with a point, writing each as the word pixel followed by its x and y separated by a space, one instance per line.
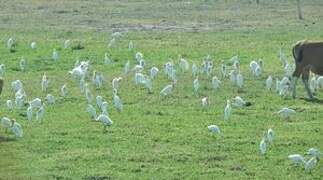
pixel 104 107
pixel 153 72
pixel 6 123
pixel 16 129
pixel 166 90
pixel 270 135
pixel 214 129
pixel 117 102
pixel 286 112
pixel 184 65
pixel 205 102
pixel 10 105
pixel 262 147
pixel 40 113
pixel 238 101
pixel 30 113
pixel 22 64
pixel 239 80
pixel 88 94
pixel 269 82
pixel 215 82
pixel 105 120
pixel 90 109
pixel 195 70
pixel 33 45
pixel 66 44
pixel 227 110
pixel 196 85
pixel 116 83
pixel 64 91
pixel 55 55
pixel 107 59
pixel 99 101
pixel 44 83
pixel 314 152
pixel 50 99
pixel 127 67
pixel 35 103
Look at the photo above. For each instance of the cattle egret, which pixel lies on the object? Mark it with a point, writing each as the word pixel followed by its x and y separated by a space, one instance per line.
pixel 153 72
pixel 310 164
pixel 44 83
pixel 20 99
pixel 35 103
pixel 116 83
pixel 184 65
pixel 297 159
pixel 29 113
pixel 50 99
pixel 55 55
pixel 22 64
pixel 40 113
pixel 130 46
pixel 16 129
pixel 107 59
pixel 282 57
pixel 10 43
pixel 269 82
pixel 117 102
pixel 214 129
pixel 205 102
pixel 64 91
pixel 166 90
pixel 215 82
pixel 16 85
pixel 253 65
pixel 240 80
pixel 262 147
pixel 90 109
pixel 233 76
pixel 98 79
pixel 139 56
pixel 139 78
pixel 270 135
pixel 9 105
pixel 238 102
pixel 105 120
pixel 227 110
pixel 111 42
pixel 104 107
pixel 33 45
pixel 127 67
pixel 196 85
pixel 99 101
pixel 194 70
pixel 88 94
pixel 6 123
pixel 286 112
pixel 148 84
pixel 66 44
pixel 2 69
pixel 258 71
pixel 223 71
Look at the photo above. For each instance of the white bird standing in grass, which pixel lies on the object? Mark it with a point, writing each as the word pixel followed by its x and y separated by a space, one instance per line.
pixel 195 70
pixel 105 120
pixel 9 105
pixel 215 82
pixel 130 46
pixel 33 45
pixel 117 102
pixel 16 129
pixel 16 85
pixel 30 113
pixel 66 44
pixel 64 91
pixel 139 78
pixel 239 80
pixel 55 55
pixel 98 79
pixel 184 65
pixel 116 83
pixel 269 82
pixel 22 64
pixel 99 101
pixel 90 109
pixel 270 135
pixel 139 56
pixel 314 152
pixel 10 43
pixel 214 129
pixel 262 146
pixel 286 112
pixel 297 159
pixel 148 84
pixel 44 83
pixel 227 110
pixel 104 107
pixel 20 99
pixel 35 103
pixel 112 42
pixel 40 113
pixel 167 90
pixel 239 102
pixel 196 85
pixel 50 99
pixel 6 123
pixel 127 67
pixel 310 164
pixel 107 59
pixel 153 72
pixel 205 102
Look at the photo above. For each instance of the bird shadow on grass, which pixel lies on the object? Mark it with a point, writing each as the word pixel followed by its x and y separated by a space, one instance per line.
pixel 316 101
pixel 6 139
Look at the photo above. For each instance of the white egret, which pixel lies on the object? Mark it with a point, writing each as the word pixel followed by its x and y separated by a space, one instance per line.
pixel 153 72
pixel 214 129
pixel 16 85
pixel 66 43
pixel 269 82
pixel 104 107
pixel 270 135
pixel 184 65
pixel 50 99
pixel 127 67
pixel 148 84
pixel 196 85
pixel 44 83
pixel 227 110
pixel 215 82
pixel 30 113
pixel 139 78
pixel 33 45
pixel 116 83
pixel 195 70
pixel 262 147
pixel 105 120
pixel 10 105
pixel 19 101
pixel 117 102
pixel 22 64
pixel 90 109
pixel 205 102
pixel 239 102
pixel 166 90
pixel 107 59
pixel 55 55
pixel 139 56
pixel 99 101
pixel 16 129
pixel 286 112
pixel 35 103
pixel 40 113
pixel 10 43
pixel 64 91
pixel 223 71
pixel 314 152
pixel 6 123
pixel 239 80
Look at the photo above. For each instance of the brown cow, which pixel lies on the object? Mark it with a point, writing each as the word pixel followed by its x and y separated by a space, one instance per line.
pixel 1 85
pixel 308 57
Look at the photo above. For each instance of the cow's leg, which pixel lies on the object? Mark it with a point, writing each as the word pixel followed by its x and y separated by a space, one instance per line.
pixel 305 78
pixel 295 76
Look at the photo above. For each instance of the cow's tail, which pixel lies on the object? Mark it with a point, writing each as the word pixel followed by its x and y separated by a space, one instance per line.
pixel 298 52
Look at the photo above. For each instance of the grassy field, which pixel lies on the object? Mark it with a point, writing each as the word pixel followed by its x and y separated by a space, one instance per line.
pixel 156 138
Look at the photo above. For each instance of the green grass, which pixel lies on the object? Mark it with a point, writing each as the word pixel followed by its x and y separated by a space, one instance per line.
pixel 155 138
